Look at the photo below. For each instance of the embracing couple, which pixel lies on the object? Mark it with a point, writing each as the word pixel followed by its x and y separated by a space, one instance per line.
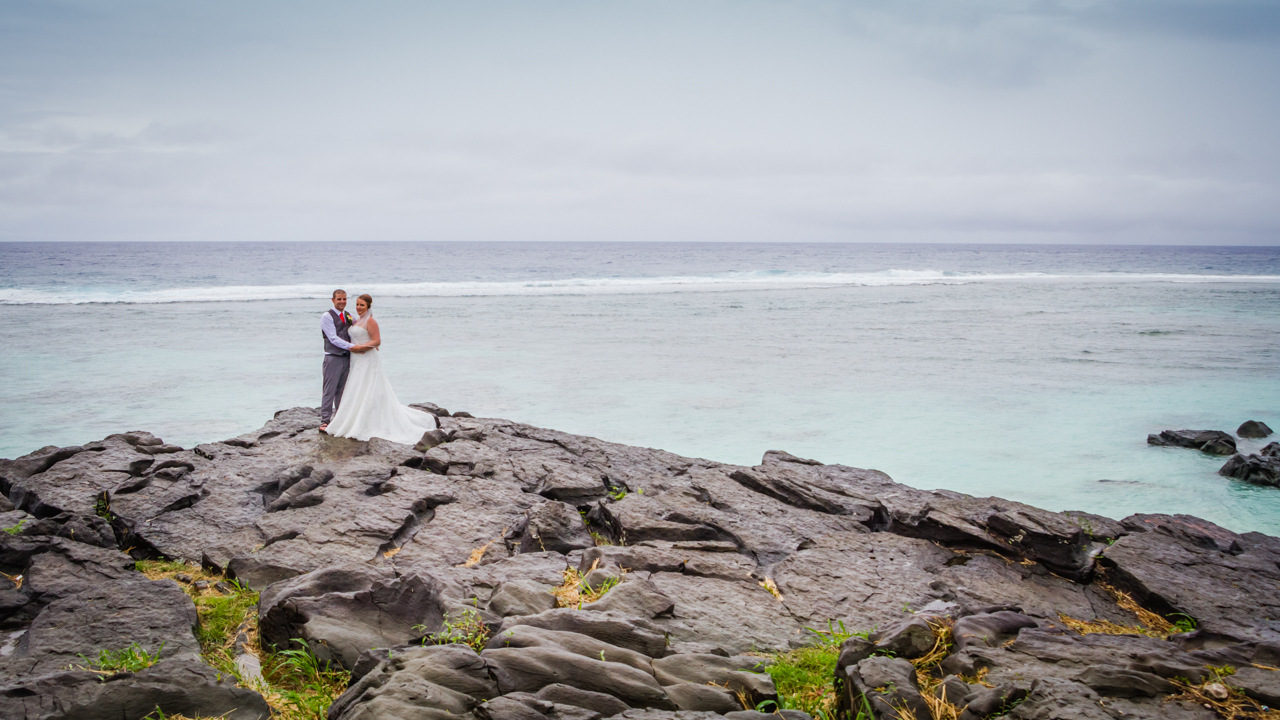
pixel 357 401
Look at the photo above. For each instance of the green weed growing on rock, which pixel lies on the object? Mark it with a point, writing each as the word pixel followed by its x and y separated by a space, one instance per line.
pixel 159 714
pixel 803 677
pixel 469 630
pixel 302 686
pixel 129 659
pixel 298 686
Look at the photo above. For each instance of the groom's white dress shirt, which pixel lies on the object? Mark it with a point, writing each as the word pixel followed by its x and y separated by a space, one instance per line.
pixel 331 332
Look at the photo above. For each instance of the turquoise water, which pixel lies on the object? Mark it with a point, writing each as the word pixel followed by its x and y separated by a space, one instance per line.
pixel 1036 379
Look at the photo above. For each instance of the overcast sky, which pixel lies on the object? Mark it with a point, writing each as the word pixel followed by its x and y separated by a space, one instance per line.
pixel 1145 121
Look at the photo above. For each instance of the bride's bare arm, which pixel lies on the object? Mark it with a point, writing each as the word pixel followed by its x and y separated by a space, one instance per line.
pixel 375 337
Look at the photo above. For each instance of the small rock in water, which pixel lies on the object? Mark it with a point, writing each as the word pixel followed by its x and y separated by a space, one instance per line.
pixel 1216 442
pixel 1253 429
pixel 1255 469
pixel 1213 442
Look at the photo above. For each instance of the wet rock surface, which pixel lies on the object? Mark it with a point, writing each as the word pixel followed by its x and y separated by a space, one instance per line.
pixel 1212 442
pixel 1253 429
pixel 1259 468
pixel 361 549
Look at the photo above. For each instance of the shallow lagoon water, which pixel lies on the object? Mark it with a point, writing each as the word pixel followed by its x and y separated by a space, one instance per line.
pixel 1025 373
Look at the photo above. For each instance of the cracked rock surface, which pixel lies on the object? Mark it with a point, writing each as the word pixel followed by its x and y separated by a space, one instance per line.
pixel 361 549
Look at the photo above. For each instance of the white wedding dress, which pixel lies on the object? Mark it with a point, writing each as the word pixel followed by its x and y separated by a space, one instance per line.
pixel 369 406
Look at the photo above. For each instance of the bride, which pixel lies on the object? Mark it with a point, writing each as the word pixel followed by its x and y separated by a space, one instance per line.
pixel 369 406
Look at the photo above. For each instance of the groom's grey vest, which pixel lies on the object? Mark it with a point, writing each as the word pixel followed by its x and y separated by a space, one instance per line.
pixel 342 329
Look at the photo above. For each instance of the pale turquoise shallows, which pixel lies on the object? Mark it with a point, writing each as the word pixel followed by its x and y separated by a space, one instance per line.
pixel 1029 373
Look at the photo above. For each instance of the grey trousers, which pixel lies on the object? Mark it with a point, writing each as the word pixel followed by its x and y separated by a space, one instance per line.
pixel 335 380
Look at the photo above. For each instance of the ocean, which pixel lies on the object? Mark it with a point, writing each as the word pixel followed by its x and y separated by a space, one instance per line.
pixel 1032 373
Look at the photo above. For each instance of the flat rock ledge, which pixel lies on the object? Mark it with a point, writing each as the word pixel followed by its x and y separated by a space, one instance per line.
pixel 362 549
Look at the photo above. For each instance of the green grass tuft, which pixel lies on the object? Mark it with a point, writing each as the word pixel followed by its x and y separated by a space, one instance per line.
pixel 299 687
pixel 303 687
pixel 468 630
pixel 129 659
pixel 804 677
pixel 222 615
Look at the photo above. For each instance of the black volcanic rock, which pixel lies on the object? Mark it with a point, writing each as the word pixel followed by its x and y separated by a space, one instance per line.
pixel 1213 442
pixel 1255 469
pixel 418 682
pixel 175 687
pixel 1253 429
pixel 343 610
pixel 360 549
pixel 66 599
pixel 1184 565
pixel 1216 442
pixel 532 668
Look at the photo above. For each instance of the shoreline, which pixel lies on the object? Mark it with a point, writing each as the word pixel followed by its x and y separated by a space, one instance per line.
pixel 350 546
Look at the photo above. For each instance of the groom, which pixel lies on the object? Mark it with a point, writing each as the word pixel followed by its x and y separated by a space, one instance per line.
pixel 335 327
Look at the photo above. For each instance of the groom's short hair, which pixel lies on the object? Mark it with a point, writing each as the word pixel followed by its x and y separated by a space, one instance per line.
pixel 335 293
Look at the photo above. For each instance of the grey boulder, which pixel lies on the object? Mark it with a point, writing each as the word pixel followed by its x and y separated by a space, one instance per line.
pixel 418 683
pixel 183 686
pixel 533 668
pixel 1255 469
pixel 342 611
pixel 1253 429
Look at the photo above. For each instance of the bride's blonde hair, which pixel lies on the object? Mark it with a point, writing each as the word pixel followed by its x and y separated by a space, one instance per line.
pixel 368 300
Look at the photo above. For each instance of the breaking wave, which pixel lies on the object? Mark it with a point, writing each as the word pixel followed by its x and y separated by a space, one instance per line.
pixel 754 280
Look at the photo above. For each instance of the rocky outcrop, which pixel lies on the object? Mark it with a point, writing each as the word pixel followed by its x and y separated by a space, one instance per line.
pixel 1253 429
pixel 1212 442
pixel 341 611
pixel 361 550
pixel 179 686
pixel 1259 469
pixel 65 599
pixel 1179 565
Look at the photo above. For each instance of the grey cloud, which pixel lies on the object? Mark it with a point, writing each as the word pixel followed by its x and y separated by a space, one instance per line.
pixel 1092 121
pixel 1023 43
pixel 1224 20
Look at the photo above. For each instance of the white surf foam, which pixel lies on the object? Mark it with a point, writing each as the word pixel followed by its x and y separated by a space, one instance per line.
pixel 582 286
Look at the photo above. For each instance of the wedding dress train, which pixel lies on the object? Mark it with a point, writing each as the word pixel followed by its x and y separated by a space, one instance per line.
pixel 369 406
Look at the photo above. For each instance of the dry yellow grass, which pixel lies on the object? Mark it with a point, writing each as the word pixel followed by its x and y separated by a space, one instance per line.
pixel 978 678
pixel 926 668
pixel 159 570
pixel 160 715
pixel 1148 623
pixel 1236 706
pixel 1126 602
pixel 772 587
pixel 574 592
pixel 1105 627
pixel 939 707
pixel 478 554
